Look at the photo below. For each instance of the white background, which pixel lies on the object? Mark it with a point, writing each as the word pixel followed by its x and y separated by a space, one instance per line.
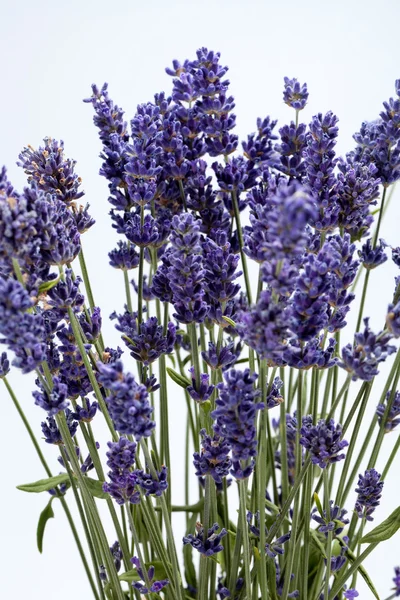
pixel 51 52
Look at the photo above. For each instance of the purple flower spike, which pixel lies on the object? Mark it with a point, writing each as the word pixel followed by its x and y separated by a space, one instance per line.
pixel 235 417
pixel 369 490
pixel 213 459
pixel 373 257
pixel 128 402
pixel 4 365
pixel 124 257
pixel 323 441
pixel 123 482
pixel 369 349
pixel 393 418
pixel 202 392
pixel 396 581
pixel 55 401
pixel 153 486
pixel 294 93
pixel 155 586
pixel 393 319
pixel 51 171
pixel 207 545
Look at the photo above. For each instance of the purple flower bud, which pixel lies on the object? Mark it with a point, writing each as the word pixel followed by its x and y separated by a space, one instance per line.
pixel 153 486
pixel 295 94
pixel 369 490
pixel 50 430
pixel 323 441
pixel 207 544
pixel 202 392
pixel 124 257
pixel 155 586
pixel 55 400
pixel 4 365
pixel 213 459
pixel 393 418
pixel 373 257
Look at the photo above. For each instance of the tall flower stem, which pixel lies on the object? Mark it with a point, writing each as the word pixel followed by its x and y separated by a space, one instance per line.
pixel 243 524
pixel 368 271
pixel 128 291
pixel 49 474
pixel 241 245
pixel 94 518
pixel 329 537
pixel 261 480
pixel 167 523
pixel 88 288
pixel 137 545
pixel 204 560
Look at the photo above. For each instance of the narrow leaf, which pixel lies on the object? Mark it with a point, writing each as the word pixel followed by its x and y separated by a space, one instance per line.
pixel 229 320
pixel 352 557
pixel 317 542
pixel 318 504
pixel 44 485
pixel 46 514
pixel 179 379
pixel 47 285
pixel 271 578
pixel 96 488
pixel 385 530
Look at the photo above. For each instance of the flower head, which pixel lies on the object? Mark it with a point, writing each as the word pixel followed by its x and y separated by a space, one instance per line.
pixel 369 490
pixel 323 441
pixel 294 93
pixel 213 459
pixel 155 586
pixel 209 544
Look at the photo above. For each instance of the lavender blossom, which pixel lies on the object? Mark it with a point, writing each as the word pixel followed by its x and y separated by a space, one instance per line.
pixel 65 294
pixel 149 343
pixel 373 257
pixel 128 402
pixel 369 490
pixel 235 415
pixel 155 586
pixel 396 581
pixel 223 357
pixel 124 257
pixel 206 545
pixel 351 594
pixel 153 486
pixel 48 168
pixel 202 391
pixel 123 481
pixel 295 94
pixel 4 365
pixel 213 459
pixel 323 441
pixel 335 523
pixel 393 418
pixel 393 319
pixel 275 547
pixel 87 412
pixel 362 358
pixel 54 401
pixel 186 272
pixel 51 432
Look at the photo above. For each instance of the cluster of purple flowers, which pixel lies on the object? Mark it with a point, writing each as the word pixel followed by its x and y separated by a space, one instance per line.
pixel 128 401
pixel 155 586
pixel 235 416
pixel 123 481
pixel 369 490
pixel 393 417
pixel 206 543
pixel 323 441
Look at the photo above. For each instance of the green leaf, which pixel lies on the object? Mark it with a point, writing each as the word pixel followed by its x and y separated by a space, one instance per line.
pixel 385 530
pixel 47 285
pixel 44 485
pixel 206 406
pixel 319 505
pixel 46 514
pixel 228 320
pixel 179 379
pixel 96 488
pixel 317 542
pixel 352 557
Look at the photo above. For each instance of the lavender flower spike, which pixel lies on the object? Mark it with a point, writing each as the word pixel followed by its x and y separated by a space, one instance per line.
pixel 206 545
pixel 323 441
pixel 369 491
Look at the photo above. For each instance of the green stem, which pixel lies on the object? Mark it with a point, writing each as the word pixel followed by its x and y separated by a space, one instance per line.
pixel 391 458
pixel 137 545
pixel 261 479
pixel 94 518
pixel 329 538
pixel 241 244
pixel 49 474
pixel 204 560
pixel 342 578
pixel 128 291
pixel 246 545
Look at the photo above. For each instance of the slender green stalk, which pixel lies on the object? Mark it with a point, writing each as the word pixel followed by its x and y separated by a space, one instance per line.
pixel 241 244
pixel 261 478
pixel 246 545
pixel 306 545
pixel 137 545
pixel 128 294
pixel 329 537
pixel 88 288
pixel 167 523
pixel 391 458
pixel 204 560
pixel 94 519
pixel 49 474
pixel 343 577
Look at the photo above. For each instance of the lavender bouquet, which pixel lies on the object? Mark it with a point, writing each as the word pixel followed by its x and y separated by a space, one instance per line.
pixel 248 261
